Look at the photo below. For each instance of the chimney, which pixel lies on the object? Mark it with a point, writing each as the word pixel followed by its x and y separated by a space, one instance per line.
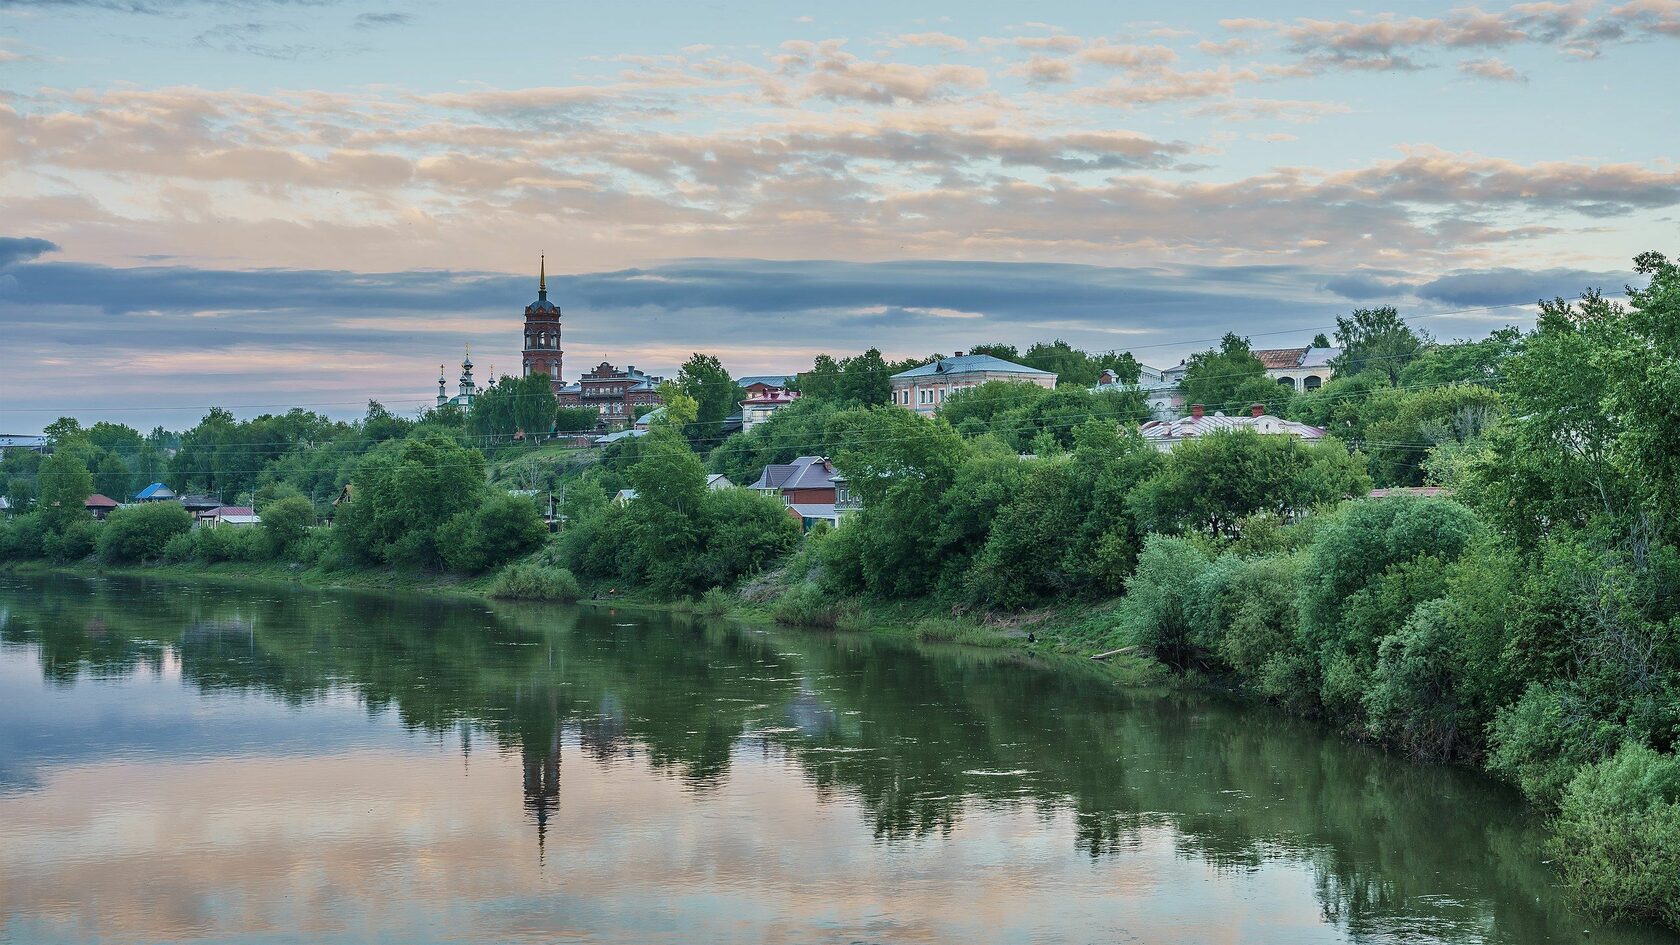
pixel 1257 410
pixel 1196 411
pixel 957 355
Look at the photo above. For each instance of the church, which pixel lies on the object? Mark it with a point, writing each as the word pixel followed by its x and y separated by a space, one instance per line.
pixel 614 394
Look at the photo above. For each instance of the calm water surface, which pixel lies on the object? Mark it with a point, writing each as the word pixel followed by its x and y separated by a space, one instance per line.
pixel 211 764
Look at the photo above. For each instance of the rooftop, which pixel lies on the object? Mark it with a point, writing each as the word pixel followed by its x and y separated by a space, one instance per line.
pixel 970 364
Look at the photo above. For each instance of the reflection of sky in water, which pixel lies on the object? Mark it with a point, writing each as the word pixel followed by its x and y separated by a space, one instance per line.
pixel 148 713
pixel 703 787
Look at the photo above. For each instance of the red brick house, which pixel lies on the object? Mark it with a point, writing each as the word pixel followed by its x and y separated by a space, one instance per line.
pixel 614 394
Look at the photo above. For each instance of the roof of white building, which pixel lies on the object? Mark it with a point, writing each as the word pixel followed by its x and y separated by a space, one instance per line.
pixel 1157 431
pixel 969 364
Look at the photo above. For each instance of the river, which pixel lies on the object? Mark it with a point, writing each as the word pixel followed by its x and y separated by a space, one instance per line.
pixel 205 763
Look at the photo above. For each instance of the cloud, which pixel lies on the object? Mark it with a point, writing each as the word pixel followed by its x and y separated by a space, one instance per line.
pixel 376 20
pixel 1502 286
pixel 1491 68
pixel 15 249
pixel 930 40
pixel 1043 70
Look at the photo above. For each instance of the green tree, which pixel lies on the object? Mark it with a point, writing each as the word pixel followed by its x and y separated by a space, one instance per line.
pixel 576 419
pixel 1230 378
pixel 503 527
pixel 714 391
pixel 865 379
pixel 1213 483
pixel 63 484
pixel 139 532
pixel 404 490
pixel 285 522
pixel 111 477
pixel 1376 339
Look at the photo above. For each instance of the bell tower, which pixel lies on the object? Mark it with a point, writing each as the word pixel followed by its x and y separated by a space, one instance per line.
pixel 542 354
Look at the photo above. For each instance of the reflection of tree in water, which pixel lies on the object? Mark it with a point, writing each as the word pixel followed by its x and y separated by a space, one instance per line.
pixel 914 736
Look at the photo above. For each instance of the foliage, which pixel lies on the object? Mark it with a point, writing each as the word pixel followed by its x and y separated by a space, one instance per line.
pixel 140 532
pixel 576 419
pixel 1404 425
pixel 1618 835
pixel 1229 378
pixel 63 485
pixel 1212 483
pixel 403 491
pixel 503 526
pixel 531 580
pixel 510 405
pixel 1376 339
pixel 715 393
pixel 285 521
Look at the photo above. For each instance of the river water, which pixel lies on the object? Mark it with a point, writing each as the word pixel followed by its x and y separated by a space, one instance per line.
pixel 183 763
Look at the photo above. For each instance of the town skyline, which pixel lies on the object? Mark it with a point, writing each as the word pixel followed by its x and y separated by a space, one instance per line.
pixel 258 204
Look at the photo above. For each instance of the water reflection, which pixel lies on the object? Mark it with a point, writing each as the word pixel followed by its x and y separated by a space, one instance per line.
pixel 203 762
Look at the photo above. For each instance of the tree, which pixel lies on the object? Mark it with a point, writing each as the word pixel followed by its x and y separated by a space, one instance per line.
pixel 865 379
pixel 1376 339
pixel 403 490
pixel 681 410
pixel 1320 341
pixel 1407 424
pixel 715 393
pixel 1212 483
pixel 576 419
pixel 503 527
pixel 112 477
pixel 1229 378
pixel 822 381
pixel 63 485
pixel 285 522
pixel 139 532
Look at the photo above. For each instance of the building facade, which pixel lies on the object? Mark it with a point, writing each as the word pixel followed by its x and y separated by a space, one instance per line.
pixel 542 352
pixel 765 394
pixel 1160 394
pixel 612 393
pixel 1304 368
pixel 924 388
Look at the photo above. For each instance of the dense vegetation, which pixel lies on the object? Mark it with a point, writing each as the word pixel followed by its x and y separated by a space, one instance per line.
pixel 1530 625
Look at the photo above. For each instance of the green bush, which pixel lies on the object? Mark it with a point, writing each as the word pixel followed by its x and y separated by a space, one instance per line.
pixel 805 605
pixel 21 537
pixel 74 541
pixel 140 532
pixel 1618 835
pixel 1156 610
pixel 715 602
pixel 180 549
pixel 213 544
pixel 530 580
pixel 503 527
pixel 285 521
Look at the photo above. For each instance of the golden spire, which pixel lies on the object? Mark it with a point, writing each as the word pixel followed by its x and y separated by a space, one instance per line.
pixel 542 273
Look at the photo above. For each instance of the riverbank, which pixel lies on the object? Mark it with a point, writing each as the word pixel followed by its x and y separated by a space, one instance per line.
pixel 1068 632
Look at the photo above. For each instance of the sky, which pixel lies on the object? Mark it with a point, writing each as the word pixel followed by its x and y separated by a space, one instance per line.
pixel 271 203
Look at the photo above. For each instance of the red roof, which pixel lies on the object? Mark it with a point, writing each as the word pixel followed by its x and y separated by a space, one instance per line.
pixel 1274 358
pixel 97 501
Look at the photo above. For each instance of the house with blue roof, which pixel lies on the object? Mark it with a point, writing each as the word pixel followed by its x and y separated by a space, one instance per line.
pixel 156 492
pixel 924 388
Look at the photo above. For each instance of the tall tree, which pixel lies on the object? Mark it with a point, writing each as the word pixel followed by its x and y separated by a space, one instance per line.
pixel 63 485
pixel 1230 378
pixel 1376 339
pixel 715 393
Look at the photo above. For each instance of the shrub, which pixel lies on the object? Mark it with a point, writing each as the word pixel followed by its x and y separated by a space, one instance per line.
pixel 530 580
pixel 285 521
pixel 1545 737
pixel 805 605
pixel 179 549
pixel 21 537
pixel 140 532
pixel 715 602
pixel 1618 835
pixel 216 543
pixel 1155 611
pixel 73 542
pixel 503 527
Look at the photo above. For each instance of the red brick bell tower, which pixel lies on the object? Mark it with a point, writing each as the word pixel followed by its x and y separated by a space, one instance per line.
pixel 542 331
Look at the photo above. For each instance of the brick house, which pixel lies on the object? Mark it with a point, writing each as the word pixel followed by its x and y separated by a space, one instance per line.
pixel 613 393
